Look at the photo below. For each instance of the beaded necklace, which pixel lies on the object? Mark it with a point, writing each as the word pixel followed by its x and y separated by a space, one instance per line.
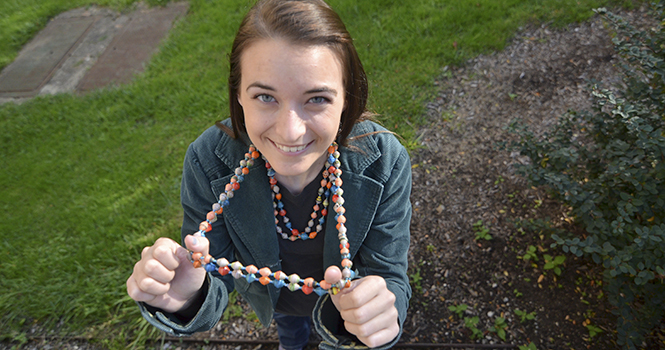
pixel 279 279
pixel 321 205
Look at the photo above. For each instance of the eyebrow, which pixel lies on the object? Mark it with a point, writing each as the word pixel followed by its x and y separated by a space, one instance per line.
pixel 312 91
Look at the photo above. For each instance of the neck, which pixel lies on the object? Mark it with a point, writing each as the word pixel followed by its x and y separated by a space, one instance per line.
pixel 295 184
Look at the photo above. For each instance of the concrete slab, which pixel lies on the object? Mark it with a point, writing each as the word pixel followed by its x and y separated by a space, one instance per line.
pixel 88 48
pixel 133 46
pixel 37 61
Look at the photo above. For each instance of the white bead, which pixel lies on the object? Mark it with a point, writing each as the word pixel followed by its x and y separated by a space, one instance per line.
pixel 294 278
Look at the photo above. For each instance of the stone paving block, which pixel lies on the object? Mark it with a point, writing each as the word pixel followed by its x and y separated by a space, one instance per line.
pixel 37 61
pixel 133 46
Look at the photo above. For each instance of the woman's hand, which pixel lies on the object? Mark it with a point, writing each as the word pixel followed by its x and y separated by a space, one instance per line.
pixel 165 277
pixel 367 307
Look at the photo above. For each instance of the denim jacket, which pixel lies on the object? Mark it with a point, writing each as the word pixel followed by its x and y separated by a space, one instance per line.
pixel 377 184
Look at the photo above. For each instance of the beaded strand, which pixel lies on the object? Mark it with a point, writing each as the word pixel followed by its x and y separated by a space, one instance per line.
pixel 279 279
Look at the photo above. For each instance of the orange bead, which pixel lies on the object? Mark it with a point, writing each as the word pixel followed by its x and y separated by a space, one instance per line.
pixel 331 169
pixel 344 251
pixel 347 263
pixel 224 270
pixel 309 281
pixel 245 171
pixel 338 182
pixel 313 215
pixel 197 256
pixel 251 269
pixel 256 154
pixel 341 219
pixel 197 264
pixel 278 196
pixel 211 216
pixel 312 235
pixel 273 181
pixel 348 284
pixel 228 187
pixel 264 280
pixel 236 186
pixel 307 290
pixel 282 212
pixel 219 212
pixel 325 285
pixel 279 275
pixel 331 149
pixel 265 272
pixel 207 258
pixel 324 212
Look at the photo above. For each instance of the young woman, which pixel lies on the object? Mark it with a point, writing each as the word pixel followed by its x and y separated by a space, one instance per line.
pixel 324 208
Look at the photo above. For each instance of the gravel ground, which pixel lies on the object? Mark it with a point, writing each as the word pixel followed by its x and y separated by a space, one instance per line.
pixel 461 177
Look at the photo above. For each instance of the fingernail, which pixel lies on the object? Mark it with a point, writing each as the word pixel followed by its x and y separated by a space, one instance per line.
pixel 195 241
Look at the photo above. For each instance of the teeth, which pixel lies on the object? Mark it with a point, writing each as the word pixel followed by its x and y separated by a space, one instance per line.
pixel 291 149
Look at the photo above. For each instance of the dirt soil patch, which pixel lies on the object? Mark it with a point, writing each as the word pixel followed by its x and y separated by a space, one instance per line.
pixel 461 178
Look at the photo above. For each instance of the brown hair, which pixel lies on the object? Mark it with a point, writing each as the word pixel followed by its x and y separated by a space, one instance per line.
pixel 302 22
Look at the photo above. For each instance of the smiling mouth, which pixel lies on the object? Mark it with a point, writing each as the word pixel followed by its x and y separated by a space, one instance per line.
pixel 290 149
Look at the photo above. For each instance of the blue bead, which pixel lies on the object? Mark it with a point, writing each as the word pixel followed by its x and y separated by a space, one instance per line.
pixel 278 283
pixel 288 225
pixel 271 172
pixel 322 220
pixel 250 277
pixel 226 203
pixel 280 205
pixel 210 267
pixel 240 178
pixel 304 236
pixel 320 291
pixel 331 159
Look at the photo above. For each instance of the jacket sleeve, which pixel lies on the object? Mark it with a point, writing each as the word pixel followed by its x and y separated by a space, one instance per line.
pixel 196 198
pixel 384 252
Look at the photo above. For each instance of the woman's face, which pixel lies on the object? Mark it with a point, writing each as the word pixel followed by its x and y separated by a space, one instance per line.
pixel 292 97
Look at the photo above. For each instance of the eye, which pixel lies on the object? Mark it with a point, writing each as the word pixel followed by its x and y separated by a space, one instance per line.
pixel 264 98
pixel 319 100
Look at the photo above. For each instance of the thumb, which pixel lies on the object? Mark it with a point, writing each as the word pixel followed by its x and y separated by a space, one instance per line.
pixel 197 244
pixel 333 275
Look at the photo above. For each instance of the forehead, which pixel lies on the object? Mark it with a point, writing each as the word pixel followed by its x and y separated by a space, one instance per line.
pixel 266 56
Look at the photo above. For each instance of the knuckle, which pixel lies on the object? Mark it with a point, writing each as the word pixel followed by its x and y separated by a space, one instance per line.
pixel 151 267
pixel 161 251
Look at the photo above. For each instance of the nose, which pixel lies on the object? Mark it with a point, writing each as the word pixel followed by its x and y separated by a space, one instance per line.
pixel 290 125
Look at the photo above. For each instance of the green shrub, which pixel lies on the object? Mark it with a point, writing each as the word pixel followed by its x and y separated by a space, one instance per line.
pixel 608 165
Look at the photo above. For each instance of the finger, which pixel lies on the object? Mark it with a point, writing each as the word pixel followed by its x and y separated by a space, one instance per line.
pixel 332 274
pixel 164 251
pixel 380 337
pixel 161 272
pixel 145 251
pixel 363 327
pixel 136 293
pixel 197 243
pixel 356 308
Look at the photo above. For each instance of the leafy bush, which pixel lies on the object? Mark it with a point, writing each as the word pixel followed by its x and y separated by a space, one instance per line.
pixel 608 165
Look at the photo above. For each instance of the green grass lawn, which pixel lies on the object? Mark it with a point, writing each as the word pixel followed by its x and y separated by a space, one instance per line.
pixel 87 181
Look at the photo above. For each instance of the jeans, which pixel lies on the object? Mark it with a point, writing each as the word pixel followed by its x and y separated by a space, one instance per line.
pixel 293 331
